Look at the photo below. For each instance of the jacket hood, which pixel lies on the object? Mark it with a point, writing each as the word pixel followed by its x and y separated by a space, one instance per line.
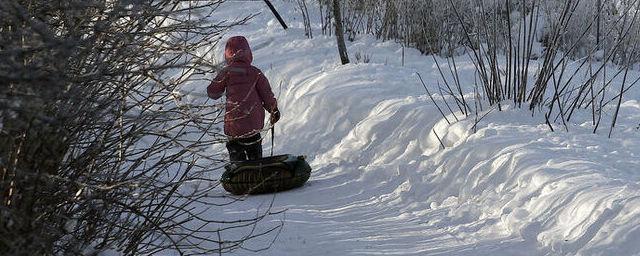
pixel 238 50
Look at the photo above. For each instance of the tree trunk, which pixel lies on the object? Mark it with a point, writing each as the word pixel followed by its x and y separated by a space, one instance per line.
pixel 599 3
pixel 342 48
pixel 273 10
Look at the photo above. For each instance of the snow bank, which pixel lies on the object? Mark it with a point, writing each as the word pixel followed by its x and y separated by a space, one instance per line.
pixel 382 184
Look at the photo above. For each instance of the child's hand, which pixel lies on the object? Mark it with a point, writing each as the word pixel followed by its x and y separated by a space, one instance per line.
pixel 275 116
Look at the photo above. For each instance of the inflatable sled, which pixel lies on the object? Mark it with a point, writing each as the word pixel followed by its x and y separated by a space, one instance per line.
pixel 266 175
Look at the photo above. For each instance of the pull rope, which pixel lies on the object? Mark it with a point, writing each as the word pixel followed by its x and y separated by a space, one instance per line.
pixel 272 137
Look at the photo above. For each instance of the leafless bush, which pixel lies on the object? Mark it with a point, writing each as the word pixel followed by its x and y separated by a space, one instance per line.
pixel 362 57
pixel 99 150
pixel 433 27
pixel 554 56
pixel 419 24
pixel 302 5
pixel 515 59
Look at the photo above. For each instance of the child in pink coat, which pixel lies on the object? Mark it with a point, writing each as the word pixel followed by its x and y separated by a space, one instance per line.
pixel 248 96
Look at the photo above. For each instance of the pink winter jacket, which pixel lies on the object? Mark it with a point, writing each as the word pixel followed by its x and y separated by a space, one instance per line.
pixel 247 89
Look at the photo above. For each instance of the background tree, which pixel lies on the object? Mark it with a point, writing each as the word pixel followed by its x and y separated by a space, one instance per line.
pixel 342 48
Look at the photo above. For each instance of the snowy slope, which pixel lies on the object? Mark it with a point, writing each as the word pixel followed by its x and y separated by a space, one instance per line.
pixel 382 185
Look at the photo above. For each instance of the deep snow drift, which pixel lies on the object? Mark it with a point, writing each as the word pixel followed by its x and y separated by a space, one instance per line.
pixel 382 185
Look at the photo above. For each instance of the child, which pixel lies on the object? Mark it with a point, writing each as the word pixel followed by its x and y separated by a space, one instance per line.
pixel 248 96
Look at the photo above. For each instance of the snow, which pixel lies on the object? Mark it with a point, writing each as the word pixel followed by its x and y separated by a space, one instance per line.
pixel 382 184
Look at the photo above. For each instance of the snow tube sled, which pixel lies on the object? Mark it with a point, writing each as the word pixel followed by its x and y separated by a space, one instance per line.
pixel 266 175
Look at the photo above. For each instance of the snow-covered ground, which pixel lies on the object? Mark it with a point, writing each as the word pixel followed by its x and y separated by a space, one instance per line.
pixel 381 183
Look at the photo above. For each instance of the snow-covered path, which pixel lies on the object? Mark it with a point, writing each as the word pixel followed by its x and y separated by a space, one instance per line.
pixel 381 185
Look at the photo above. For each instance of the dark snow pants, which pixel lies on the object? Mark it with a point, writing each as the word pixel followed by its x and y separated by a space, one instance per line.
pixel 245 148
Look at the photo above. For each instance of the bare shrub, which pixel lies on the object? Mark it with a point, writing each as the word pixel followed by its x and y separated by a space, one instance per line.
pixel 433 27
pixel 99 149
pixel 518 60
pixel 362 57
pixel 302 5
